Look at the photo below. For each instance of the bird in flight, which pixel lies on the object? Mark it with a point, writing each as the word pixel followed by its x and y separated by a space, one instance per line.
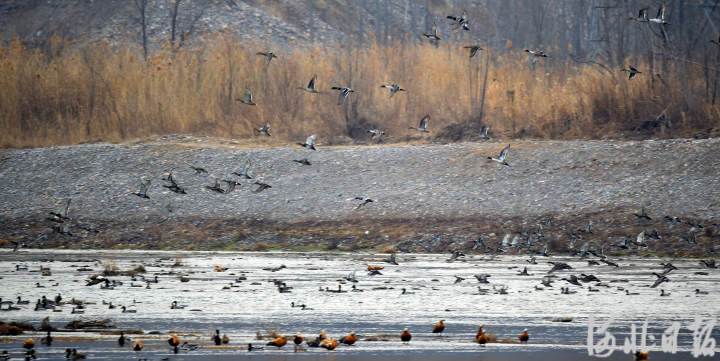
pixel 144 186
pixel 269 55
pixel 311 86
pixel 631 69
pixel 247 98
pixel 309 142
pixel 394 88
pixel 344 92
pixel 422 127
pixel 473 49
pixel 501 158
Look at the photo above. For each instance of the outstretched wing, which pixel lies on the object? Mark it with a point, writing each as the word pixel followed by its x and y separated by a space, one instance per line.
pixel 310 141
pixel 503 153
pixel 311 85
pixel 64 211
pixel 247 167
pixel 423 122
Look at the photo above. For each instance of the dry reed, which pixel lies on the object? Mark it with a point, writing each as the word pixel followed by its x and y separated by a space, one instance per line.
pixel 65 93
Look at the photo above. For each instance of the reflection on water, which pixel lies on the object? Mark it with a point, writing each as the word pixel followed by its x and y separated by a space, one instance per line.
pixel 243 300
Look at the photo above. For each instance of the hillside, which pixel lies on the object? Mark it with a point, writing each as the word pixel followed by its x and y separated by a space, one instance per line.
pixel 425 197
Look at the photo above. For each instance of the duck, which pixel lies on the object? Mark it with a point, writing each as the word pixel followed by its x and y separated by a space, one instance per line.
pixel 501 158
pixel 355 289
pixel 21 301
pixel 278 342
pixel 121 339
pixel 394 88
pixel 225 339
pixel 660 17
pixel 303 161
pixel 406 292
pixel 78 311
pixel 174 341
pixel 329 344
pixel 216 187
pixel 298 339
pixel 698 292
pixel 28 344
pixel 252 348
pixel 264 130
pixel 405 336
pixel 631 69
pixel 174 306
pixel 627 292
pixel 433 34
pixel 422 127
pixel 247 98
pixel 524 336
pixel 344 92
pixel 261 187
pixel 642 16
pixel 663 293
pixel 480 336
pixel 62 214
pixel 439 327
pixel 349 339
pixel 174 186
pixel 311 86
pixel 309 142
pixel 376 134
pixel 269 55
pixel 640 356
pixel 47 340
pixel 537 53
pixel 216 338
pixel 125 310
pixel 374 267
pixel 144 186
pixel 137 346
pixel 244 173
pixel 321 337
pixel 74 355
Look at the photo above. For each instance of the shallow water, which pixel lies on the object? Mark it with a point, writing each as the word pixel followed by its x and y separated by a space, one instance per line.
pixel 380 310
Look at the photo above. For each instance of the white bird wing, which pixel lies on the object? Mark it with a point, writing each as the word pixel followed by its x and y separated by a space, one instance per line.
pixel 503 153
pixel 310 141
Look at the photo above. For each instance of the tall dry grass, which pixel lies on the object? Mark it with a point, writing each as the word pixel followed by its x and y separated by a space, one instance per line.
pixel 66 93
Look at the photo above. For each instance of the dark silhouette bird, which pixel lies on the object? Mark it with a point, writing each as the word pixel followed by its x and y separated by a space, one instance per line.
pixel 121 339
pixel 524 336
pixel 559 266
pixel 17 245
pixel 264 130
pixel 269 55
pixel 536 53
pixel 253 348
pixel 303 161
pixel 708 263
pixel 660 279
pixel 439 327
pixel 365 201
pixel 473 49
pixel 501 158
pixel 642 214
pixel 433 34
pixel 174 186
pixel 377 134
pixel 344 92
pixel 142 193
pixel 573 279
pixel 422 127
pixel 394 88
pixel 216 338
pixel 458 279
pixel 716 42
pixel 261 187
pixel 62 214
pixel 484 132
pixel 311 86
pixel 247 98
pixel 198 170
pixel 316 343
pixel 482 277
pixel 231 185
pixel 298 339
pixel 405 336
pixel 309 142
pixel 642 16
pixel 47 340
pixel 244 172
pixel 632 72
pixel 216 187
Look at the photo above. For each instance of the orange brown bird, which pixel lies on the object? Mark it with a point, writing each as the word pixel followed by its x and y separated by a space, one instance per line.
pixel 639 355
pixel 278 342
pixel 481 337
pixel 29 344
pixel 349 339
pixel 524 337
pixel 439 327
pixel 137 346
pixel 174 341
pixel 329 344
pixel 298 339
pixel 374 268
pixel 220 269
pixel 405 336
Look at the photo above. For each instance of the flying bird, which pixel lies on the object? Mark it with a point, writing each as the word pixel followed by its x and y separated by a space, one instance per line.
pixel 268 56
pixel 264 130
pixel 660 17
pixel 311 86
pixel 501 158
pixel 173 185
pixel 309 142
pixel 62 214
pixel 632 71
pixel 537 53
pixel 144 186
pixel 473 49
pixel 303 161
pixel 376 134
pixel 642 16
pixel 394 88
pixel 423 124
pixel 433 35
pixel 344 92
pixel 216 187
pixel 244 173
pixel 261 187
pixel 247 98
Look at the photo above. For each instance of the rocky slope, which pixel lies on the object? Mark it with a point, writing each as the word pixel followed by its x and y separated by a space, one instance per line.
pixel 425 197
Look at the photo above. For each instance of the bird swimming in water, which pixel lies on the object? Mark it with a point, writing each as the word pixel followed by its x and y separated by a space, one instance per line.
pixel 349 339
